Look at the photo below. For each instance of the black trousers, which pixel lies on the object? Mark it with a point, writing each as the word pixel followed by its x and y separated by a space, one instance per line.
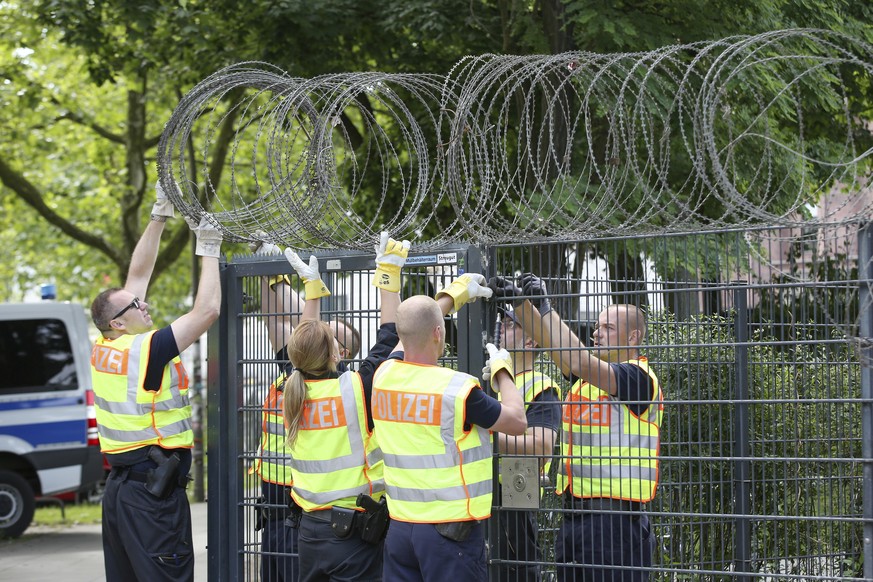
pixel 279 554
pixel 518 542
pixel 146 538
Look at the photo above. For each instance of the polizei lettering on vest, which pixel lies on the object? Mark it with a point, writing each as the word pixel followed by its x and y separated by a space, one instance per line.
pixel 109 360
pixel 577 411
pixel 407 407
pixel 323 413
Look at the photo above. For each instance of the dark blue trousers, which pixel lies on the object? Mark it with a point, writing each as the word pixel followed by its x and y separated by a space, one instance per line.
pixel 326 558
pixel 279 552
pixel 416 552
pixel 146 538
pixel 603 547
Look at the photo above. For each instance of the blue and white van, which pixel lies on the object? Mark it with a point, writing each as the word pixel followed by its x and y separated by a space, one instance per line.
pixel 48 430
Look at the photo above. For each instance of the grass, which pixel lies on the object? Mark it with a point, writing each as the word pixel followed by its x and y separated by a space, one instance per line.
pixel 75 513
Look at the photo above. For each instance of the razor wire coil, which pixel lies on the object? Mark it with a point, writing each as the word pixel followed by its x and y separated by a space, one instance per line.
pixel 507 148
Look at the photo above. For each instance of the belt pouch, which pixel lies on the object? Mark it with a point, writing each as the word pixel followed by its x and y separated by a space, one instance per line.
pixel 455 530
pixel 342 521
pixel 164 479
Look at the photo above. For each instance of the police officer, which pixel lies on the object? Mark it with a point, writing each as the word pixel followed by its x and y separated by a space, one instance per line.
pixel 433 426
pixel 143 413
pixel 334 456
pixel 518 539
pixel 614 407
pixel 277 514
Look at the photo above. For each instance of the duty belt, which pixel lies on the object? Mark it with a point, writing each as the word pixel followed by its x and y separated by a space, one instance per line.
pixel 125 474
pixel 601 504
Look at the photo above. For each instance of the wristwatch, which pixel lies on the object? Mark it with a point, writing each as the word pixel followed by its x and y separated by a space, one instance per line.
pixel 159 218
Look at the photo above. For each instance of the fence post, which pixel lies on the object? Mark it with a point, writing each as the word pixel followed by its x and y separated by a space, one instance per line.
pixel 742 464
pixel 224 509
pixel 865 276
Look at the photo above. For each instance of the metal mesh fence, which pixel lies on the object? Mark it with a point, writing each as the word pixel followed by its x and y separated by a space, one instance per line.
pixel 755 336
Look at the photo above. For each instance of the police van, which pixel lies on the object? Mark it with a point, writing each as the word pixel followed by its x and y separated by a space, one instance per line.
pixel 48 428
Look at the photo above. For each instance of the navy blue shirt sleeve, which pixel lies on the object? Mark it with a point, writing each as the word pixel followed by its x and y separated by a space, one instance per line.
pixel 283 362
pixel 545 410
pixel 481 409
pixel 634 386
pixel 162 351
pixel 386 341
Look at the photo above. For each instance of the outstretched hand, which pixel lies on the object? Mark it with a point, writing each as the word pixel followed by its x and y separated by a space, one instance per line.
pixel 162 206
pixel 536 288
pixel 209 238
pixel 312 283
pixel 261 246
pixel 498 359
pixel 390 257
pixel 466 289
pixel 505 289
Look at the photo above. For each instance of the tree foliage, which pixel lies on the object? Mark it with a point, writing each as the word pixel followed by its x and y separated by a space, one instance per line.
pixel 87 86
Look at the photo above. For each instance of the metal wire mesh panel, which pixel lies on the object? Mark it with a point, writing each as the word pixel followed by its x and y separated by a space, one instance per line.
pixel 753 335
pixel 254 357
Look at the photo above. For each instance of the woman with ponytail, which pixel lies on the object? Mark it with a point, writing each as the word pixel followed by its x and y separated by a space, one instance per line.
pixel 335 460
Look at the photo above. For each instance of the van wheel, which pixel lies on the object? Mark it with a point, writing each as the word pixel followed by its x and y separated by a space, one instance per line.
pixel 16 504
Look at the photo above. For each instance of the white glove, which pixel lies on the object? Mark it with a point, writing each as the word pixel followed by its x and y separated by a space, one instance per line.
pixel 193 222
pixel 497 360
pixel 466 289
pixel 261 246
pixel 312 283
pixel 390 258
pixel 208 239
pixel 162 206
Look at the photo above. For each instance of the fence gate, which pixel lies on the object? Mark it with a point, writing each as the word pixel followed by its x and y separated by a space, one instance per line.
pixel 760 338
pixel 242 365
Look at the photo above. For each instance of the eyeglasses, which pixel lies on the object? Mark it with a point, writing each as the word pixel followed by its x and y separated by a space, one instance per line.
pixel 132 305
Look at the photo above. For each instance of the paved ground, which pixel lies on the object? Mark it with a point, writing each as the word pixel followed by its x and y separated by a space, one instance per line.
pixel 75 554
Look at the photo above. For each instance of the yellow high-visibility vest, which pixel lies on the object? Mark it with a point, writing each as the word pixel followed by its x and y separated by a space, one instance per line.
pixel 274 460
pixel 531 384
pixel 129 416
pixel 435 471
pixel 607 450
pixel 335 457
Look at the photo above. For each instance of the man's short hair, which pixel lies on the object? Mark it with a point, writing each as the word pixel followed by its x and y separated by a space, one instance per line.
pixel 353 335
pixel 635 318
pixel 102 310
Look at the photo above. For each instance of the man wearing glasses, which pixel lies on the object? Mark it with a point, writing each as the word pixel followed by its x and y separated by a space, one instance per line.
pixel 143 412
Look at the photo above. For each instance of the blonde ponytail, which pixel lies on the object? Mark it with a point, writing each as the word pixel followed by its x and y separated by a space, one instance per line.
pixel 292 405
pixel 312 350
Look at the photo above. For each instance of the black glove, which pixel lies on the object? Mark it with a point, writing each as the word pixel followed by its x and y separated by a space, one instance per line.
pixel 536 288
pixel 506 290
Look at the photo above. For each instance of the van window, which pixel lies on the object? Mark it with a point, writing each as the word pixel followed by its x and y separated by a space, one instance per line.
pixel 35 356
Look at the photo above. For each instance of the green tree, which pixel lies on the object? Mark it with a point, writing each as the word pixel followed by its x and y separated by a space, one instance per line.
pixel 87 87
pixel 83 104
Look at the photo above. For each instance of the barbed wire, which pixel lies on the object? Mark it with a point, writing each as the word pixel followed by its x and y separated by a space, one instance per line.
pixel 509 148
